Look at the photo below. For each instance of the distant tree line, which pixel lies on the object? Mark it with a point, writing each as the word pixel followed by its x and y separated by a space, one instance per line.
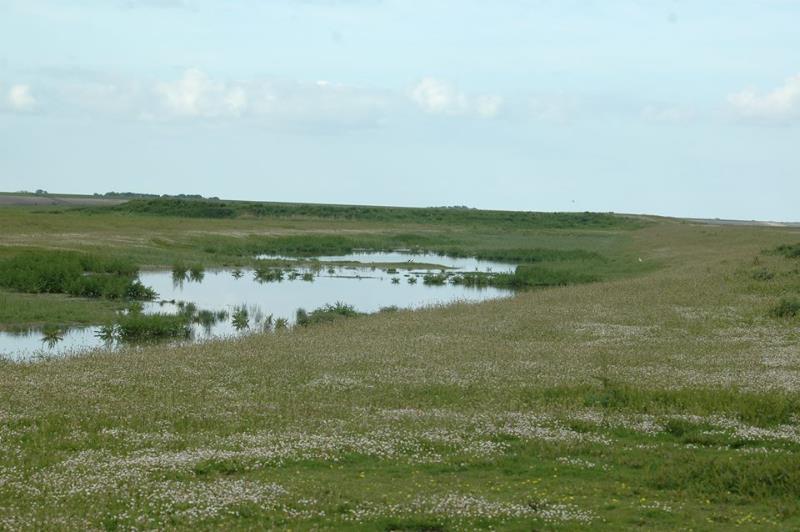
pixel 136 195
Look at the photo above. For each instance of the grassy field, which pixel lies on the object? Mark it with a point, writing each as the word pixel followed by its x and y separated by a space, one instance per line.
pixel 664 395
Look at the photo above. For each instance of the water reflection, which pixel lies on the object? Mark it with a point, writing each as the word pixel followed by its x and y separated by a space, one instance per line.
pixel 51 337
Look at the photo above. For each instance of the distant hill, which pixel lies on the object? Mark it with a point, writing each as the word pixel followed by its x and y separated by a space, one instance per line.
pixel 214 208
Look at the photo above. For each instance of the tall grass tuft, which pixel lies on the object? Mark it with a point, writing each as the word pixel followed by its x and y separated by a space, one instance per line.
pixel 326 314
pixel 265 274
pixel 139 327
pixel 240 319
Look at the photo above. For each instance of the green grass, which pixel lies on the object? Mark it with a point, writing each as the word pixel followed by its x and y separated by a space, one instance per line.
pixel 76 274
pixel 22 311
pixel 662 395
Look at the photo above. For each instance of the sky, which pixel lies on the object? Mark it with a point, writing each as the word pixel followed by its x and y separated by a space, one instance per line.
pixel 673 107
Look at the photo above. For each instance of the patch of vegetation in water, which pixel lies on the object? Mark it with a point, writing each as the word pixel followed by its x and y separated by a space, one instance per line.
pixel 73 273
pixel 326 314
pixel 435 279
pixel 265 274
pixel 140 327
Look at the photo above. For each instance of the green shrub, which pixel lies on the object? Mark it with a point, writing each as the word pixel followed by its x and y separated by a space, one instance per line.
pixel 301 317
pixel 790 251
pixel 786 308
pixel 763 274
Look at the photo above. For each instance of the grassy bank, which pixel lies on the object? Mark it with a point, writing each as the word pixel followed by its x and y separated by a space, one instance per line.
pixel 659 398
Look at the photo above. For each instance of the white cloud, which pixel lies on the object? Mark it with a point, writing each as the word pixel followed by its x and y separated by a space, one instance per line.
pixel 132 4
pixel 20 98
pixel 321 101
pixel 439 97
pixel 195 94
pixel 779 105
pixel 667 114
pixel 488 106
pixel 436 96
pixel 555 108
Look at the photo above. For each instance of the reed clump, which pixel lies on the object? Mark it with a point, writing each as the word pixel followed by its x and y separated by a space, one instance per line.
pixel 139 327
pixel 326 314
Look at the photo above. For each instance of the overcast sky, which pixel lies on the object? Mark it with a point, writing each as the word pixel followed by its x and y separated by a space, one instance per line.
pixel 685 108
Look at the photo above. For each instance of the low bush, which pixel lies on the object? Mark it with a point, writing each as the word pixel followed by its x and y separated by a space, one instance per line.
pixel 763 274
pixel 786 308
pixel 791 251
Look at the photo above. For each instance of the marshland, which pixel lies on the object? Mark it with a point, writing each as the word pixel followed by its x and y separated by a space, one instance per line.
pixel 627 371
pixel 398 265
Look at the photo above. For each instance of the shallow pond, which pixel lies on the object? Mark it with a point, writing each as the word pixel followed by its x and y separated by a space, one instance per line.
pixel 366 289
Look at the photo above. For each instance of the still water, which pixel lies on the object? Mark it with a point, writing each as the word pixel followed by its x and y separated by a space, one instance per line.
pixel 366 288
pixel 459 264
